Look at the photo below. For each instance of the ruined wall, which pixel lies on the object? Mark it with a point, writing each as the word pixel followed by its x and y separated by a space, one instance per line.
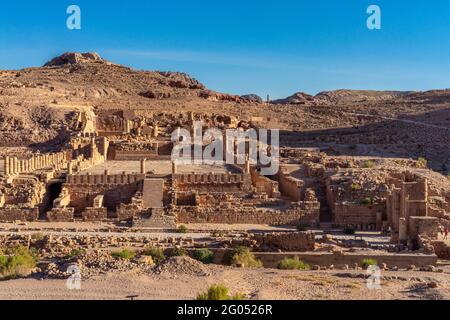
pixel 306 212
pixel 15 213
pixel 365 217
pixel 290 241
pixel 116 189
pixel 212 182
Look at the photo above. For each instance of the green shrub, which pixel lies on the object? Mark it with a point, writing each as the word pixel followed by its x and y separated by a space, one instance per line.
pixel 75 253
pixel 37 236
pixel 423 162
pixel 367 201
pixel 124 254
pixel 369 262
pixel 292 264
pixel 18 263
pixel 157 254
pixel 178 252
pixel 349 229
pixel 356 187
pixel 368 164
pixel 218 233
pixel 204 255
pixel 241 256
pixel 182 229
pixel 219 292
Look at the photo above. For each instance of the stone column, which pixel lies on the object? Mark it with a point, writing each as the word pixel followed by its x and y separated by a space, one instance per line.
pixel 174 167
pixel 69 167
pixel 143 171
pixel 7 172
pixel 16 165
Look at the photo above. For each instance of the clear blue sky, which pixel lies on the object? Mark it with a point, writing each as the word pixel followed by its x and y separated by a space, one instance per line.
pixel 245 46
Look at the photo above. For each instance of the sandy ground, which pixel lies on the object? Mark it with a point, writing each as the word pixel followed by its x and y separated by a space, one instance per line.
pixel 260 284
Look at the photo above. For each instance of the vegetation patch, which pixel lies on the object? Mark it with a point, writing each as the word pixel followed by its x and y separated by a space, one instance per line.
pixel 124 254
pixel 178 252
pixel 219 292
pixel 293 264
pixel 182 229
pixel 241 256
pixel 204 255
pixel 19 262
pixel 157 254
pixel 369 262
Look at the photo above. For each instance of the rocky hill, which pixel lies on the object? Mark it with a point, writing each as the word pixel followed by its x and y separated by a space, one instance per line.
pixel 37 108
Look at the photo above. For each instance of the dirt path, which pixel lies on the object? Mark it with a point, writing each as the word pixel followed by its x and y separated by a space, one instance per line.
pixel 261 284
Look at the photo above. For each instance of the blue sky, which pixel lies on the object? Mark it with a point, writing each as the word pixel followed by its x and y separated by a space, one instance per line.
pixel 245 46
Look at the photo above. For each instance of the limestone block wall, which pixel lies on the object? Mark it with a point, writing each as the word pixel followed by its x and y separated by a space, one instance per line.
pixel 423 226
pixel 287 241
pixel 15 213
pixel 61 215
pixel 263 184
pixel 363 216
pixel 291 186
pixel 95 214
pixel 212 182
pixel 116 189
pixel 306 212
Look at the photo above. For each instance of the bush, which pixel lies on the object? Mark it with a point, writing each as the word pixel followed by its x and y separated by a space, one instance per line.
pixel 349 229
pixel 37 236
pixel 369 262
pixel 293 264
pixel 157 254
pixel 20 262
pixel 204 255
pixel 356 187
pixel 178 252
pixel 423 162
pixel 368 164
pixel 75 253
pixel 367 201
pixel 219 292
pixel 124 254
pixel 241 256
pixel 218 233
pixel 182 229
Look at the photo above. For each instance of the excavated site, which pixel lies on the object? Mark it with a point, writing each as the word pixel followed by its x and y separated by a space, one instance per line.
pixel 86 171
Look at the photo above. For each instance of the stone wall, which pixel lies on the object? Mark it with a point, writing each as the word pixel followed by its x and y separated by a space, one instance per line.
pixel 15 213
pixel 95 214
pixel 61 215
pixel 365 217
pixel 306 212
pixel 288 241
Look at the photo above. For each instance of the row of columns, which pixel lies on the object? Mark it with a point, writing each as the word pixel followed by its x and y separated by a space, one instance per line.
pixel 14 165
